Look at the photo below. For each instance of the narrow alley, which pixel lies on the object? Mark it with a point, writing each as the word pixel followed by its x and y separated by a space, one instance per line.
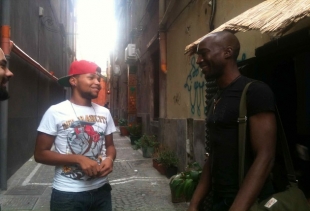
pixel 136 184
pixel 170 71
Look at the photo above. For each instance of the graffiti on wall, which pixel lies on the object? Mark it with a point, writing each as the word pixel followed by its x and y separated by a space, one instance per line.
pixel 195 85
pixel 243 57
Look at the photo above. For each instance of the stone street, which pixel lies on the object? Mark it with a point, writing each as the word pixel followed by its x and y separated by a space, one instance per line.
pixel 136 184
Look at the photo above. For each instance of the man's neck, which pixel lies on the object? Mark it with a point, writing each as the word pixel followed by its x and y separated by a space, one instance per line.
pixel 229 75
pixel 80 101
pixel 223 82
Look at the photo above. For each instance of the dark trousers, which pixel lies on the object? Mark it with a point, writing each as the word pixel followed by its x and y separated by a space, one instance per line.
pixel 221 203
pixel 93 200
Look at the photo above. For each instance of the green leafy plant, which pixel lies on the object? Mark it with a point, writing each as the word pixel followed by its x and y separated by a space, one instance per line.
pixel 185 183
pixel 146 141
pixel 135 129
pixel 168 158
pixel 122 122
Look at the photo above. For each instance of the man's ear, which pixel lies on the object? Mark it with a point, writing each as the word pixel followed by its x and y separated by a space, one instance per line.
pixel 72 81
pixel 228 52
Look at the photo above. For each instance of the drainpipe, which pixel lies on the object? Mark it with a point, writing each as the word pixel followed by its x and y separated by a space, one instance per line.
pixel 161 9
pixel 213 11
pixel 5 45
pixel 163 51
pixel 163 17
pixel 162 37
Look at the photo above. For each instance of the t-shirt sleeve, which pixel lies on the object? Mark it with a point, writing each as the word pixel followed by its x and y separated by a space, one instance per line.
pixel 110 125
pixel 48 124
pixel 260 98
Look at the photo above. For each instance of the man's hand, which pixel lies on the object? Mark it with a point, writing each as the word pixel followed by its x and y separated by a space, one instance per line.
pixel 192 209
pixel 106 167
pixel 90 167
pixel 203 186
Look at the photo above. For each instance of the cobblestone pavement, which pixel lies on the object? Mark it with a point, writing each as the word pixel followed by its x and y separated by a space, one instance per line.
pixel 136 184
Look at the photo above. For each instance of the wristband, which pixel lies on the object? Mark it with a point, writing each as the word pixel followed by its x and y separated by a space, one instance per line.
pixel 110 159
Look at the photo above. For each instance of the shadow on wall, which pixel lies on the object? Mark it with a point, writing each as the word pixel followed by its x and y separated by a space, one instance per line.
pixel 173 133
pixel 32 93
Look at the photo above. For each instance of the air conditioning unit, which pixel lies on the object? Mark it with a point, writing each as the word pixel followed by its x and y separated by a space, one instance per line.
pixel 130 53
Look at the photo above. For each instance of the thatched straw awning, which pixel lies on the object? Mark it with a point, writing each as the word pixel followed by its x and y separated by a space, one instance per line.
pixel 270 16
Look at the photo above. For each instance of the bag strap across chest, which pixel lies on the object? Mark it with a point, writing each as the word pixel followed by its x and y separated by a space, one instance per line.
pixel 242 120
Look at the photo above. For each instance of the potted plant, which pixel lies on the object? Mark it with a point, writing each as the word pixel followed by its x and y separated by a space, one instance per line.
pixel 147 143
pixel 156 163
pixel 183 185
pixel 123 127
pixel 169 160
pixel 135 131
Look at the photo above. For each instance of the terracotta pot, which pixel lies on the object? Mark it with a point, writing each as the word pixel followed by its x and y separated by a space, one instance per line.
pixel 155 163
pixel 124 130
pixel 159 167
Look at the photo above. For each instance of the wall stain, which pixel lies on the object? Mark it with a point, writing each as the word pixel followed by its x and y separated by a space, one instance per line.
pixel 195 85
pixel 177 98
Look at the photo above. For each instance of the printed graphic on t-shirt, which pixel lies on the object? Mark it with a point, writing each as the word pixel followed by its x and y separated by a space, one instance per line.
pixel 84 138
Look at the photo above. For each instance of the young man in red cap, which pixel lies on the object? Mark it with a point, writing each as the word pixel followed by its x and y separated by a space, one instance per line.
pixel 84 150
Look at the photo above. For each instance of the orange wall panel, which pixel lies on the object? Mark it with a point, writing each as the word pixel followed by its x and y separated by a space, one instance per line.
pixel 102 96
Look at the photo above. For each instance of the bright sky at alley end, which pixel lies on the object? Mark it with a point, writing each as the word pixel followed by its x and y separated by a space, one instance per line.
pixel 96 29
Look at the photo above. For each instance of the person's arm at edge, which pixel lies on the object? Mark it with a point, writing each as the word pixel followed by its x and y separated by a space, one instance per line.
pixel 43 154
pixel 203 186
pixel 263 132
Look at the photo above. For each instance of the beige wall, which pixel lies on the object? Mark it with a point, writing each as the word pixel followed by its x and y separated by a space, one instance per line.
pixel 190 25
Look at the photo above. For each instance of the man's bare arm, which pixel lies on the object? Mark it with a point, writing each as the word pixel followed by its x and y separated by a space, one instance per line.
pixel 202 188
pixel 107 164
pixel 43 154
pixel 263 132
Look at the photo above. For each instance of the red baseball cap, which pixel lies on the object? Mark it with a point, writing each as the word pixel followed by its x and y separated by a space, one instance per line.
pixel 78 68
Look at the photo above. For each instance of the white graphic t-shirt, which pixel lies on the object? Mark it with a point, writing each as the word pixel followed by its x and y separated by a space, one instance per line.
pixel 78 130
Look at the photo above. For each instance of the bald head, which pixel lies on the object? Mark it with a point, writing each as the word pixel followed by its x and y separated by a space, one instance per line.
pixel 224 39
